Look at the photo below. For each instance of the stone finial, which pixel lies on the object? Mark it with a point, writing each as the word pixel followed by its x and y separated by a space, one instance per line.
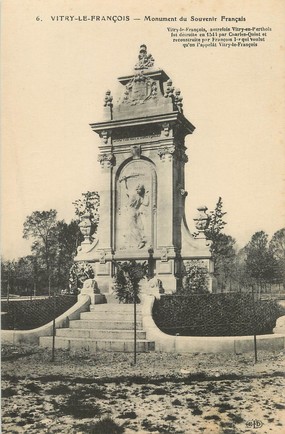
pixel 175 95
pixel 108 100
pixel 145 60
pixel 178 100
pixel 169 91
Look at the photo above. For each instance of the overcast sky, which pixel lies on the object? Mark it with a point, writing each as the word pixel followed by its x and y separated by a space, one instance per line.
pixel 55 76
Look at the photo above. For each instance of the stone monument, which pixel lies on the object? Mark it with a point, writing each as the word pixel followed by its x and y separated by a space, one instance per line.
pixel 142 155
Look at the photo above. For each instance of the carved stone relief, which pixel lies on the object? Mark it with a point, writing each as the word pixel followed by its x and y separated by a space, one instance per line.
pixel 166 128
pixel 164 255
pixel 106 160
pixel 168 152
pixel 102 257
pixel 136 199
pixel 139 90
pixel 104 136
pixel 136 152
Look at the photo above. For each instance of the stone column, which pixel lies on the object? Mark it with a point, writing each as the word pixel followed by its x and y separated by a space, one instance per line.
pixel 105 224
pixel 165 197
pixel 165 266
pixel 103 268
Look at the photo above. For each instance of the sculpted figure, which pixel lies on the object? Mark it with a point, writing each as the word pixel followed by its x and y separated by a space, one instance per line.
pixel 145 60
pixel 136 204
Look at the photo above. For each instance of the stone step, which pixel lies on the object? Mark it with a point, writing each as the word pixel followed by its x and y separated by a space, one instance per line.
pixel 112 307
pixel 99 334
pixel 107 327
pixel 113 316
pixel 103 325
pixel 111 299
pixel 92 345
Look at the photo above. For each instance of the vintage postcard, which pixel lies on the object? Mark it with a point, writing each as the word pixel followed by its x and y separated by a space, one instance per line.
pixel 171 115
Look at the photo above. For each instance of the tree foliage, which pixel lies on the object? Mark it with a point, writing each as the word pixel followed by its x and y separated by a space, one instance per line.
pixel 127 278
pixel 8 273
pixel 22 276
pixel 79 272
pixel 54 244
pixel 67 236
pixel 40 226
pixel 277 244
pixel 277 249
pixel 216 223
pixel 195 278
pixel 224 259
pixel 260 262
pixel 222 247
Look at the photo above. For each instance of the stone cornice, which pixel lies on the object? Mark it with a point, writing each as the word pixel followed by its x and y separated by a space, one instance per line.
pixel 174 117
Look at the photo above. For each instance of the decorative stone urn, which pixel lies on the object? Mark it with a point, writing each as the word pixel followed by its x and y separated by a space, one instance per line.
pixel 85 227
pixel 202 221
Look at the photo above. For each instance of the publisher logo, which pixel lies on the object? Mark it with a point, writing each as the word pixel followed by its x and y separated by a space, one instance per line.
pixel 254 423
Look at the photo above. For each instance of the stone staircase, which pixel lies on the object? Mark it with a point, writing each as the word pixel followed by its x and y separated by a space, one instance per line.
pixel 106 327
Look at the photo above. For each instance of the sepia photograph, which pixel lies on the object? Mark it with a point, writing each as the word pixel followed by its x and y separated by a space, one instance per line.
pixel 143 217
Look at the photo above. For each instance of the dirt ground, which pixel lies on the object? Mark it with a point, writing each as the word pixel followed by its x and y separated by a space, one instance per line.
pixel 162 393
